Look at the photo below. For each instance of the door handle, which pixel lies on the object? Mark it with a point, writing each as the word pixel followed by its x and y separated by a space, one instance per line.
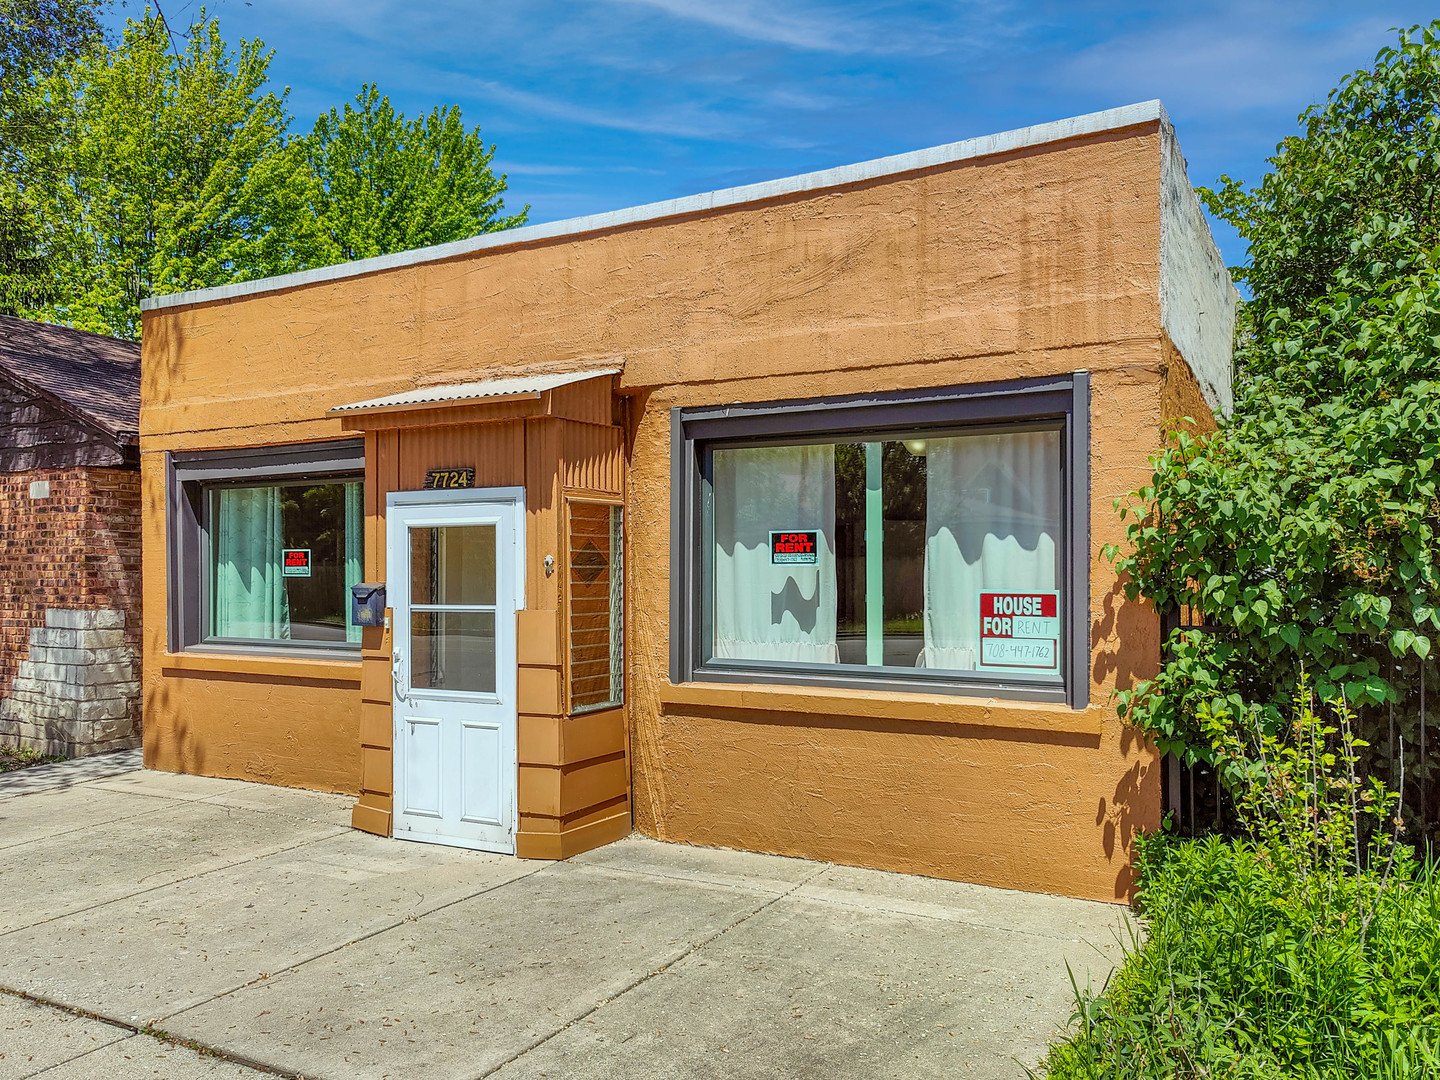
pixel 397 672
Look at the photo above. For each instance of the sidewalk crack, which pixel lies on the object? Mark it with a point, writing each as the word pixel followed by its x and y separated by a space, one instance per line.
pixel 339 831
pixel 646 977
pixel 153 1030
pixel 354 941
pixel 132 1031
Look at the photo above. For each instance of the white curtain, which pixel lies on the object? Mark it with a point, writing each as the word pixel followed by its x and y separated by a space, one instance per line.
pixel 249 598
pixel 992 524
pixel 764 611
pixel 354 550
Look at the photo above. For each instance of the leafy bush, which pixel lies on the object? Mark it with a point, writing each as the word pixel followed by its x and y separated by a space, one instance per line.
pixel 1309 948
pixel 1306 530
pixel 1243 974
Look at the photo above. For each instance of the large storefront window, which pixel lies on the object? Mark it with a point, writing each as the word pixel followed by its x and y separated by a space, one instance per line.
pixel 909 552
pixel 263 545
pixel 925 554
pixel 283 559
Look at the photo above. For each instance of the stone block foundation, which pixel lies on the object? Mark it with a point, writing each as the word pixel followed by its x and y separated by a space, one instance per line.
pixel 76 693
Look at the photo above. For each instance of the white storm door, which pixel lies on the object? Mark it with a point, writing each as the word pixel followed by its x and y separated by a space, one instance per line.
pixel 455 582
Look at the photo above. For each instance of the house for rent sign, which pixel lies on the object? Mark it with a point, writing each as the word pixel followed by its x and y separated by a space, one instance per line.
pixel 1020 630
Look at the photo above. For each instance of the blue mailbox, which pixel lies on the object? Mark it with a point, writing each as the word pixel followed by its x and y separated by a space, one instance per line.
pixel 367 603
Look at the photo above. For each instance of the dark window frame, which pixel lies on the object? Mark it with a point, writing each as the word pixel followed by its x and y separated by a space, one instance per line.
pixel 189 477
pixel 694 431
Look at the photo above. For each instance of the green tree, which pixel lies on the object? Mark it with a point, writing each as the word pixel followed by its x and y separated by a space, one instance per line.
pixel 167 170
pixel 386 184
pixel 172 172
pixel 36 38
pixel 1305 528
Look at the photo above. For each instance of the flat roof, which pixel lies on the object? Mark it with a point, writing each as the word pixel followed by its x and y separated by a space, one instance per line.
pixel 986 145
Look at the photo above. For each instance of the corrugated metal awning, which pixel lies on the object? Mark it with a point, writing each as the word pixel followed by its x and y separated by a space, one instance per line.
pixel 518 388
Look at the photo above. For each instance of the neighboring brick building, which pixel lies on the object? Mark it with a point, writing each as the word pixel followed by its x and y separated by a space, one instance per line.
pixel 69 539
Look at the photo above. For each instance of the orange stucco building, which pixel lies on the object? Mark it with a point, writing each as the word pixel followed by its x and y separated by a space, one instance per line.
pixel 770 518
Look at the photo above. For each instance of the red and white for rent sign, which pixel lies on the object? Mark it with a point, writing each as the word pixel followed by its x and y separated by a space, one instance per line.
pixel 1020 630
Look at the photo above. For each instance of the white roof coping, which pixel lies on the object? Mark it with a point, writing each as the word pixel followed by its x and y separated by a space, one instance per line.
pixel 985 146
pixel 519 388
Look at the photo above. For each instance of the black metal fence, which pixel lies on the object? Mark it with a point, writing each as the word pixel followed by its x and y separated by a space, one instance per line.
pixel 1197 803
pixel 1190 794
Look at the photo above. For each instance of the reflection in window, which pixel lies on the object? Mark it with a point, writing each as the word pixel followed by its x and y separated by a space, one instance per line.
pixel 453 650
pixel 453 564
pixel 886 553
pixel 283 558
pixel 452 608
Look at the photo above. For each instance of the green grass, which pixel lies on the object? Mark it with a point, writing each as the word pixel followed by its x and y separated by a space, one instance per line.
pixel 1248 972
pixel 12 758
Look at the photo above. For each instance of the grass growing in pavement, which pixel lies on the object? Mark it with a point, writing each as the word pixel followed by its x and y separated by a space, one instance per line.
pixel 22 758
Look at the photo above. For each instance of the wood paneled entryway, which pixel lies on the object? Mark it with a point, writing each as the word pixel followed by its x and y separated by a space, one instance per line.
pixel 557 442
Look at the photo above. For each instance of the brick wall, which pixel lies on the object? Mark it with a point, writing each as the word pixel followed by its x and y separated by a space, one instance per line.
pixel 77 549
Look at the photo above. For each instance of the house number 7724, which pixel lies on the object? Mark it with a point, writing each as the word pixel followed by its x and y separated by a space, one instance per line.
pixel 450 478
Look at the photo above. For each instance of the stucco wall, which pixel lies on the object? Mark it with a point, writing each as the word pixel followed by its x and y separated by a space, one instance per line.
pixel 1037 262
pixel 1197 298
pixel 1002 261
pixel 281 721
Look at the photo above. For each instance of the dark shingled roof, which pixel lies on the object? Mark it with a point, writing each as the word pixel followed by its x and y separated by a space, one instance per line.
pixel 91 375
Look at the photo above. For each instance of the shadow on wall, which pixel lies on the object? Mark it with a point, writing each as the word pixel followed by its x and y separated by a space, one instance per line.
pixel 1126 644
pixel 635 405
pixel 244 746
pixel 1132 633
pixel 1133 809
pixel 182 753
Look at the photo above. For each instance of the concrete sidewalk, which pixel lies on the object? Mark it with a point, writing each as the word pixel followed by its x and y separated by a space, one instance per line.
pixel 252 924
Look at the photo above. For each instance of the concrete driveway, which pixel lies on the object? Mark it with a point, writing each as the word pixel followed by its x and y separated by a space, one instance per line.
pixel 154 925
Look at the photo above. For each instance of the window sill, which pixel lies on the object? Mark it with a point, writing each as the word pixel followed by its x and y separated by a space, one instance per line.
pixel 280 667
pixel 917 708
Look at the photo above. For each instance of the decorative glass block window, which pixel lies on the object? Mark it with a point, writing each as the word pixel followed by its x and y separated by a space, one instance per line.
pixel 595 586
pixel 925 540
pixel 282 559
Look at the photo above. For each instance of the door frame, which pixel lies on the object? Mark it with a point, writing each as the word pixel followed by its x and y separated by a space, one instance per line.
pixel 395 556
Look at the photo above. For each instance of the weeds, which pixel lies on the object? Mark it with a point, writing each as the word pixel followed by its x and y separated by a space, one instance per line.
pixel 1308 948
pixel 12 758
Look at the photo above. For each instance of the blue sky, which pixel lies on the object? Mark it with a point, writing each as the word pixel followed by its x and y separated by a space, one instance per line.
pixel 600 104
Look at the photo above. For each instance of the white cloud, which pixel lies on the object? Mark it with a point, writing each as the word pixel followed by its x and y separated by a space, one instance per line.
pixel 884 29
pixel 536 169
pixel 1230 60
pixel 683 121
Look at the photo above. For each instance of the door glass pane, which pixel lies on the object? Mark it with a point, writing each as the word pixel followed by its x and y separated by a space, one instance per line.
pixel 453 564
pixel 452 650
